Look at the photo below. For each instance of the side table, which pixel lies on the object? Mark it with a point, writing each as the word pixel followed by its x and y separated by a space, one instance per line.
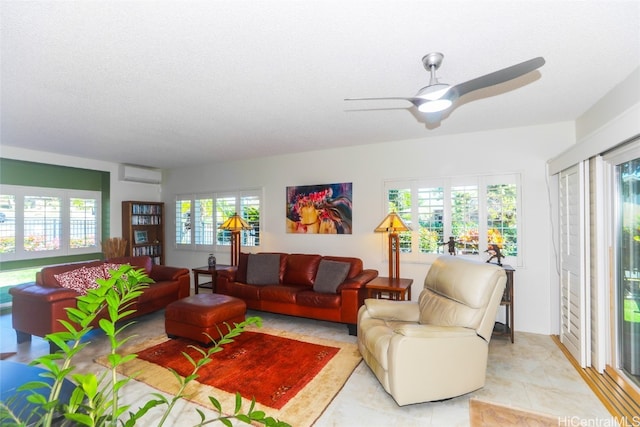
pixel 390 288
pixel 507 302
pixel 213 272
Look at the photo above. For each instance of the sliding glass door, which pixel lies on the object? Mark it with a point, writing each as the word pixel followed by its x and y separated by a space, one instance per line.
pixel 628 266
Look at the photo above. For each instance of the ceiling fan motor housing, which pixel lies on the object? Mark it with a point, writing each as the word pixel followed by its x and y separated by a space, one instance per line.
pixel 432 60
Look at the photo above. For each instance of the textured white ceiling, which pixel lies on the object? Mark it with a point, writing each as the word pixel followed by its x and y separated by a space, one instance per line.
pixel 174 83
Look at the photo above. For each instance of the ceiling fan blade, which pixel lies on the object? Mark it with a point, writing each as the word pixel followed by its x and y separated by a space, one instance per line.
pixel 402 98
pixel 495 78
pixel 414 101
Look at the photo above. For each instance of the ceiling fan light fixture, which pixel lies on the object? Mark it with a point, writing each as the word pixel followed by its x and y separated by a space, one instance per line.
pixel 433 92
pixel 435 106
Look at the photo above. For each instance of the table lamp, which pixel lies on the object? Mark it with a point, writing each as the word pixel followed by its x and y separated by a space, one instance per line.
pixel 235 224
pixel 392 224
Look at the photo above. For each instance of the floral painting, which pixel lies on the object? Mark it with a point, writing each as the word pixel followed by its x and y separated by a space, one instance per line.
pixel 319 209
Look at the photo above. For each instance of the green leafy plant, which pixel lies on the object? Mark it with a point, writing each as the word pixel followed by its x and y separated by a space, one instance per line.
pixel 95 400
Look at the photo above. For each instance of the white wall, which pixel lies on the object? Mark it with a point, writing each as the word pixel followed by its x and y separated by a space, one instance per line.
pixel 622 98
pixel 120 190
pixel 614 119
pixel 522 150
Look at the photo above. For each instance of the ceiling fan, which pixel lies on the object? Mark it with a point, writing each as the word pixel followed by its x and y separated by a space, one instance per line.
pixel 438 97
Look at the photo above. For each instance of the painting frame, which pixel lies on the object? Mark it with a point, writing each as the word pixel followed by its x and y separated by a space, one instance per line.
pixel 140 237
pixel 319 209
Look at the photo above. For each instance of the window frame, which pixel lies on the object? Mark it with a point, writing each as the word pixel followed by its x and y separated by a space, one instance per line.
pixel 65 195
pixel 219 241
pixel 412 253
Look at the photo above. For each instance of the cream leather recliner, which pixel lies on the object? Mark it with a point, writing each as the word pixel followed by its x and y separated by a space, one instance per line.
pixel 435 348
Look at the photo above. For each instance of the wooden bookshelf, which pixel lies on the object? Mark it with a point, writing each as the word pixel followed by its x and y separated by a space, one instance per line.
pixel 143 227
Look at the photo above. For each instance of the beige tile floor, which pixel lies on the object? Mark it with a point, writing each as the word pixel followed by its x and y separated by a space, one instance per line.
pixel 531 374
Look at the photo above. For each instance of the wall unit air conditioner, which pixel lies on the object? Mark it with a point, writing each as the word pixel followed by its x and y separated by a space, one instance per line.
pixel 139 174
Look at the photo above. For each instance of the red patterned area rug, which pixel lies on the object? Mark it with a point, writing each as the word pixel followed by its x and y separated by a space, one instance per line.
pixel 292 377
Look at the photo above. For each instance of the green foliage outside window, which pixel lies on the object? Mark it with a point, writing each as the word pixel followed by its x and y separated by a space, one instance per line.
pixel 502 218
pixel 430 241
pixel 400 202
pixel 463 221
pixel 199 216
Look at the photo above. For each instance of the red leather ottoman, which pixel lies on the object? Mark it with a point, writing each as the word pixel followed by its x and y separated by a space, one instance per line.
pixel 198 314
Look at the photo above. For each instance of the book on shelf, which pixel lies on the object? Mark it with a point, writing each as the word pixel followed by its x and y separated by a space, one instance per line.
pixel 146 220
pixel 150 250
pixel 144 209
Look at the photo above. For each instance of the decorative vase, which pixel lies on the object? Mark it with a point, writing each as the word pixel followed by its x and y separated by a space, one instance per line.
pixel 211 261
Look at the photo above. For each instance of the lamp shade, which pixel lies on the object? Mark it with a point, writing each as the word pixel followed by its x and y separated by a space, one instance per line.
pixel 235 223
pixel 392 223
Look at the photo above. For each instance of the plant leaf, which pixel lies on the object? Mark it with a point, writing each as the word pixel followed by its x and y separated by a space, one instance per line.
pixel 238 403
pixel 80 418
pixel 107 327
pixel 215 403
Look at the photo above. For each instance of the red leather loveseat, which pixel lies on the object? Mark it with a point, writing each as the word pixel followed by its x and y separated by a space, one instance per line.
pixel 305 285
pixel 38 306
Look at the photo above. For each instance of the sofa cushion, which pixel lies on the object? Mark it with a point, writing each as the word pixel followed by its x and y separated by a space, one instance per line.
pixel 310 298
pixel 244 291
pixel 241 272
pixel 280 293
pixel 81 279
pixel 263 269
pixel 330 275
pixel 301 269
pixel 157 291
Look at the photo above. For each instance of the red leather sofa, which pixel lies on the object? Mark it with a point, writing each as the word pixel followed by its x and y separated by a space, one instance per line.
pixel 294 290
pixel 38 306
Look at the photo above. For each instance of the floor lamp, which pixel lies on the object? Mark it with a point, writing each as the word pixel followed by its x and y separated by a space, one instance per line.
pixel 235 224
pixel 392 224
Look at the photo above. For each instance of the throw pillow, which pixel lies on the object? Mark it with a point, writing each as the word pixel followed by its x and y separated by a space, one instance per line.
pixel 330 275
pixel 108 266
pixel 263 269
pixel 81 279
pixel 136 262
pixel 69 279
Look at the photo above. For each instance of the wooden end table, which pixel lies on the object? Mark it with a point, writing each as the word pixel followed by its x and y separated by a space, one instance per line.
pixel 390 288
pixel 206 271
pixel 507 302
